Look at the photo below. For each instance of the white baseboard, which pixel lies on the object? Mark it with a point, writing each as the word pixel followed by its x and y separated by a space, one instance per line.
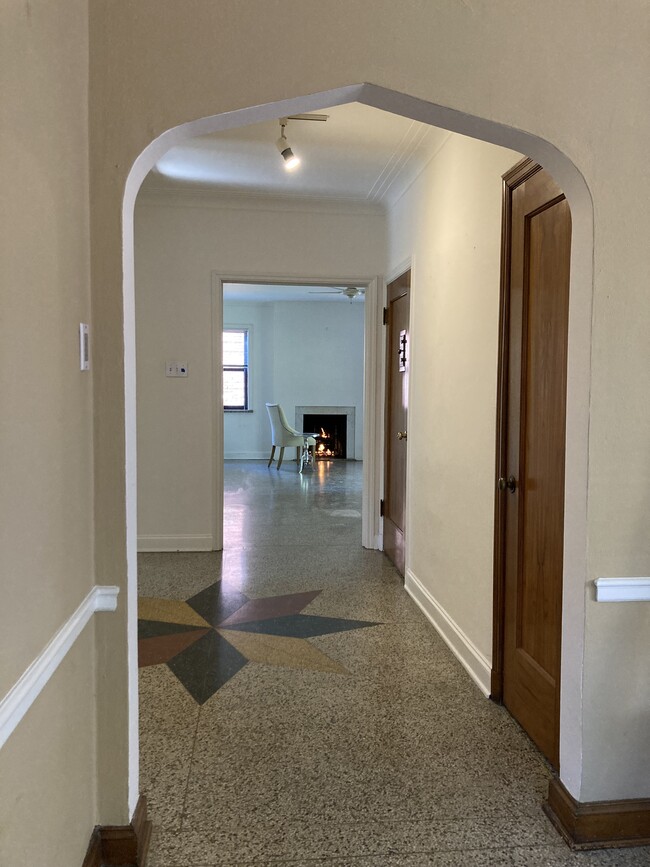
pixel 26 690
pixel 469 656
pixel 249 456
pixel 150 544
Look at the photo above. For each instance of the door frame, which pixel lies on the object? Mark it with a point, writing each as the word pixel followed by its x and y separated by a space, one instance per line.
pixel 405 267
pixel 578 194
pixel 373 435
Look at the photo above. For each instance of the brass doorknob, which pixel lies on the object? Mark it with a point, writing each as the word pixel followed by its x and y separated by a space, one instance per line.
pixel 401 434
pixel 509 484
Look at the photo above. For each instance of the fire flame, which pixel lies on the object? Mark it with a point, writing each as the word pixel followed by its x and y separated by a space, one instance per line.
pixel 321 449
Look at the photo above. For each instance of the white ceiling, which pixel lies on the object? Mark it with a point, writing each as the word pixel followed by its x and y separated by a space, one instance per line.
pixel 263 293
pixel 360 154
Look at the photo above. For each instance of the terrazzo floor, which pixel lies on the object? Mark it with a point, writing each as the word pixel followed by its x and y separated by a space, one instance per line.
pixel 317 717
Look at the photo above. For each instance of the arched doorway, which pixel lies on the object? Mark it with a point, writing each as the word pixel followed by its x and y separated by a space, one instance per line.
pixel 578 367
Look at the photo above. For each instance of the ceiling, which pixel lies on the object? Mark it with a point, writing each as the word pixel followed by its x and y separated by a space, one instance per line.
pixel 360 154
pixel 264 293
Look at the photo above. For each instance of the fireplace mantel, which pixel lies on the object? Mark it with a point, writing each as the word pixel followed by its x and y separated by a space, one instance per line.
pixel 348 411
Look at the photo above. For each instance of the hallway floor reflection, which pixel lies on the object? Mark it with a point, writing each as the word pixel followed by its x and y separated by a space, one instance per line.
pixel 315 716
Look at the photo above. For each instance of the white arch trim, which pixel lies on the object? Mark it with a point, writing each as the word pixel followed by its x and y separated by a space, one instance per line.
pixel 578 373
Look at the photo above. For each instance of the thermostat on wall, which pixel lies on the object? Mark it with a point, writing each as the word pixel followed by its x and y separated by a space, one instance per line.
pixel 84 347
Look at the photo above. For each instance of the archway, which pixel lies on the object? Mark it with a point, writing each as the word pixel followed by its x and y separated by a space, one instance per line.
pixel 578 196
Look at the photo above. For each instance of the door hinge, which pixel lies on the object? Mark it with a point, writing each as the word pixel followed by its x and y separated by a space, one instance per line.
pixel 381 508
pixel 385 319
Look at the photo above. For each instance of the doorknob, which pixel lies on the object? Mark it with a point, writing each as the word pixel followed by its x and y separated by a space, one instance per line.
pixel 401 435
pixel 510 483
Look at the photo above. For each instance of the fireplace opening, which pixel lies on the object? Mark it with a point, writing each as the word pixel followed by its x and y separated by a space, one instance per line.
pixel 332 442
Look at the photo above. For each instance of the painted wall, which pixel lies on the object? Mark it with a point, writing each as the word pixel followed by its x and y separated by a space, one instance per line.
pixel 303 354
pixel 180 241
pixel 47 777
pixel 547 79
pixel 449 223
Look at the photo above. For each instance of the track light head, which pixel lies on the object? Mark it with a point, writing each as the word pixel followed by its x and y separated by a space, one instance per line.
pixel 291 161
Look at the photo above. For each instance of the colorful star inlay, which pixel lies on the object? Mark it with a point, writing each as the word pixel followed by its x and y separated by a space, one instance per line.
pixel 207 639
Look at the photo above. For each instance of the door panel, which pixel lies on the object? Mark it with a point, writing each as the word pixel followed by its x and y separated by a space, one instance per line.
pixel 397 366
pixel 538 226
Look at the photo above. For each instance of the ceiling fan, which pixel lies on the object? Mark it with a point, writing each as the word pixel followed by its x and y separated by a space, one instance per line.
pixel 350 292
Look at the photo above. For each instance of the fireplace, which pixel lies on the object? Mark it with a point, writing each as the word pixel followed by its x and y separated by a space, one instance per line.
pixel 332 442
pixel 308 419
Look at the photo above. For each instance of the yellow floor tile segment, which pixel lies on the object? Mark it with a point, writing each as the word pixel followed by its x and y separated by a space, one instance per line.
pixel 168 611
pixel 280 650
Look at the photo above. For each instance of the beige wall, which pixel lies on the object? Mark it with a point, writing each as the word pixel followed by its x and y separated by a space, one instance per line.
pixel 47 779
pixel 179 244
pixel 47 770
pixel 575 75
pixel 449 225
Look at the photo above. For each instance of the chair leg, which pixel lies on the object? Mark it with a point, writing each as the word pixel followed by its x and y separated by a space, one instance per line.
pixel 280 458
pixel 271 458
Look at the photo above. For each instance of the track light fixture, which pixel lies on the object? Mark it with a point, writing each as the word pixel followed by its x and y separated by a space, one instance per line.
pixel 291 161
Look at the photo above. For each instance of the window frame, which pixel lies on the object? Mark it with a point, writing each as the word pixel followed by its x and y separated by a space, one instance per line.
pixel 245 368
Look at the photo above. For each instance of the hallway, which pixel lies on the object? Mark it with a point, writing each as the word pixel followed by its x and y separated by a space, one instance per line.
pixel 297 707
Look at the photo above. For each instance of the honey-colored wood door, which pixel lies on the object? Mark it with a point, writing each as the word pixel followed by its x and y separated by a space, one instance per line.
pixel 530 512
pixel 397 372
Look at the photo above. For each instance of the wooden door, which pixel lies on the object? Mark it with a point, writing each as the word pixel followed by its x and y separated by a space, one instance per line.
pixel 397 373
pixel 530 463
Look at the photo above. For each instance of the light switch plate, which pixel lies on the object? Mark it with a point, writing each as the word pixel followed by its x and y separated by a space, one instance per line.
pixel 84 347
pixel 176 368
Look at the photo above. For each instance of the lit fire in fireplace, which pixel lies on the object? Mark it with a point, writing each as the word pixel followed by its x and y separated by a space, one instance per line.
pixel 322 450
pixel 331 439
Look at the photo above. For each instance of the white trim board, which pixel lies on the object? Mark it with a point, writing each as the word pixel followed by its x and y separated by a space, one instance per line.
pixel 622 589
pixel 247 456
pixel 151 544
pixel 26 690
pixel 469 656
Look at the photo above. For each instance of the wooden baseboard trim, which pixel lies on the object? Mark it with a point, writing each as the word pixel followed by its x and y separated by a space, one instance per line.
pixel 121 845
pixel 598 824
pixel 94 854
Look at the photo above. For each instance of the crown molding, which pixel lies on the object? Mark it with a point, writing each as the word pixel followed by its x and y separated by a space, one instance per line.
pixel 202 197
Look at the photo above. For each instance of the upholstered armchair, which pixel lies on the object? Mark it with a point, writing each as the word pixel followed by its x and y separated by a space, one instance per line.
pixel 283 435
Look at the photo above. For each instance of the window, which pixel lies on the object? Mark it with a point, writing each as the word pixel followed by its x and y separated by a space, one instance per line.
pixel 235 369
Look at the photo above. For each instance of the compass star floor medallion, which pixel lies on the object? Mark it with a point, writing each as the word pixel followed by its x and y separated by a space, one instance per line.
pixel 207 639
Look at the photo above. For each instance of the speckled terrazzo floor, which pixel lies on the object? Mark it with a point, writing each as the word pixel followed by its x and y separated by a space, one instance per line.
pixel 364 746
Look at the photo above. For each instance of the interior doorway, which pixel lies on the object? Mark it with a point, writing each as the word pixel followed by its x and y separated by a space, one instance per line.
pixel 287 287
pixel 398 355
pixel 579 336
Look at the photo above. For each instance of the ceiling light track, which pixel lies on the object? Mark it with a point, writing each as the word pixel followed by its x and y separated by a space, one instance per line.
pixel 319 117
pixel 291 161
